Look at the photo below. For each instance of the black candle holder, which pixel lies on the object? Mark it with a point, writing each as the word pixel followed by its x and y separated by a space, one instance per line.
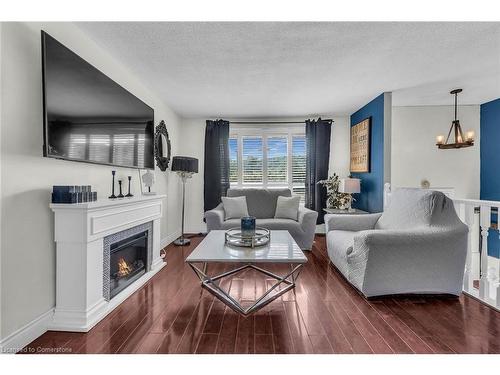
pixel 120 186
pixel 129 195
pixel 113 196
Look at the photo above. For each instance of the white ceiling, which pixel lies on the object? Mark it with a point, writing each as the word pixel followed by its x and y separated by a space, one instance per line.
pixel 282 69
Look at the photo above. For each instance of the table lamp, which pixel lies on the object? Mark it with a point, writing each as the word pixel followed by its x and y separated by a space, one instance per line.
pixel 185 168
pixel 350 186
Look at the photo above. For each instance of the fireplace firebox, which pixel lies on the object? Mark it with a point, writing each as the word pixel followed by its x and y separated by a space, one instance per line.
pixel 128 260
pixel 127 257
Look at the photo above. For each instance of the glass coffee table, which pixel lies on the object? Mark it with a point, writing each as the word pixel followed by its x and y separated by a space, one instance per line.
pixel 281 249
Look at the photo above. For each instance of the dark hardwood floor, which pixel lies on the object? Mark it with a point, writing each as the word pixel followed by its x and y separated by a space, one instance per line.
pixel 173 314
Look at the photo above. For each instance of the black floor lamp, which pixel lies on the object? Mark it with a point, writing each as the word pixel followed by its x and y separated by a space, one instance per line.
pixel 185 168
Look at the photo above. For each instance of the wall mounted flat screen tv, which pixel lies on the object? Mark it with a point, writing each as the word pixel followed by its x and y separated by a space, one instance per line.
pixel 90 118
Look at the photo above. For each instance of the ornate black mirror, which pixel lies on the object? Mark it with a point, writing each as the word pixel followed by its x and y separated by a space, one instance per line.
pixel 162 146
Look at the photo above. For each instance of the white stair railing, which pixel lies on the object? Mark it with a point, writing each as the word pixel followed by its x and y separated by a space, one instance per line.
pixel 476 214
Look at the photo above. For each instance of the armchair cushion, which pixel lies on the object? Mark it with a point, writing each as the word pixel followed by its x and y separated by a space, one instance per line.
pixel 350 222
pixel 339 245
pixel 235 208
pixel 287 208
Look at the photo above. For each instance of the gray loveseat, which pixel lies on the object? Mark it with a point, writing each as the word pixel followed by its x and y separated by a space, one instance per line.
pixel 417 245
pixel 262 204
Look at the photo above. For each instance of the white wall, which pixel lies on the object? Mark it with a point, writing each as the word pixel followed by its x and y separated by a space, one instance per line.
pixel 194 146
pixel 339 147
pixel 27 239
pixel 387 135
pixel 1 96
pixel 416 157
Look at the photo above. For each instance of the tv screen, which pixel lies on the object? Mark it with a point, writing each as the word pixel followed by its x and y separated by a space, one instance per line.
pixel 88 117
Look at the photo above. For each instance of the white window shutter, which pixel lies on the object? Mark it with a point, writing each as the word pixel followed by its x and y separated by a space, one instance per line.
pixel 252 160
pixel 277 152
pixel 299 165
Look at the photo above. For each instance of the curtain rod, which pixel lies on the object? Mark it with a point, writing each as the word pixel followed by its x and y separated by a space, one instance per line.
pixel 272 122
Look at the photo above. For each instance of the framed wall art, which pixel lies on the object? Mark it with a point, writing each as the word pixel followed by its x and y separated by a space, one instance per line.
pixel 360 146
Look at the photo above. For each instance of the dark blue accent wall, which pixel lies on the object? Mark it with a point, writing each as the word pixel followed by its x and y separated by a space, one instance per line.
pixel 371 198
pixel 490 161
pixel 489 149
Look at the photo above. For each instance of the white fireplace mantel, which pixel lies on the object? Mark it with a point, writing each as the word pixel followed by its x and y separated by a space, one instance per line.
pixel 79 234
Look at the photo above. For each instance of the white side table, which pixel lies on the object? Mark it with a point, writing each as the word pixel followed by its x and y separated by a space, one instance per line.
pixel 338 211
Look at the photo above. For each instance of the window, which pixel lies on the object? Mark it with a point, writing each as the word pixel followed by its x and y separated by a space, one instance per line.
pixel 268 157
pixel 252 160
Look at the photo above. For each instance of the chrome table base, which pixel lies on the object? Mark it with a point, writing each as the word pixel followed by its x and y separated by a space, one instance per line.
pixel 212 283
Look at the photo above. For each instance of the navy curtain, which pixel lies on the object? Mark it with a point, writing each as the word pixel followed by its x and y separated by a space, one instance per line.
pixel 317 157
pixel 216 162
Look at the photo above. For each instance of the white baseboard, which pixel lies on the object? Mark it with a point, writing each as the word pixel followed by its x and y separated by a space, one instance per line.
pixel 196 230
pixel 170 238
pixel 24 335
pixel 84 321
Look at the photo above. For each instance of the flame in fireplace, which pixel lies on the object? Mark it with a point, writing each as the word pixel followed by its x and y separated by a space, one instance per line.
pixel 123 268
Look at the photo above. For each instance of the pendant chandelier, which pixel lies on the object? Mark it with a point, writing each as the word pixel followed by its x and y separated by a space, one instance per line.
pixel 460 140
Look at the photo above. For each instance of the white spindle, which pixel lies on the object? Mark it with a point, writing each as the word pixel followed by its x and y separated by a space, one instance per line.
pixel 467 213
pixel 485 222
pixel 476 234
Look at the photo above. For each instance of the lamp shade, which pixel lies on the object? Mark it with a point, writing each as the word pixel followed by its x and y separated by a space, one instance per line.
pixel 350 185
pixel 184 164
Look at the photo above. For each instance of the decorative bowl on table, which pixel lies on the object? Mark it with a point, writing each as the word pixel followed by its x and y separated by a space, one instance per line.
pixel 235 237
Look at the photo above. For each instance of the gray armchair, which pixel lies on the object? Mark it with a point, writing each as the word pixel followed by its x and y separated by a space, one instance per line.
pixel 262 204
pixel 418 245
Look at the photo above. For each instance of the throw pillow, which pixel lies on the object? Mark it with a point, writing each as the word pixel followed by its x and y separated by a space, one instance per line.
pixel 235 208
pixel 287 208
